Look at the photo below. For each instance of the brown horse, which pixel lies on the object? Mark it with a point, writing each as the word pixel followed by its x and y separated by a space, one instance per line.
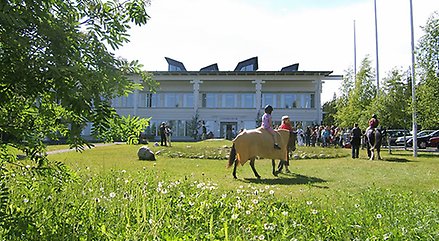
pixel 250 144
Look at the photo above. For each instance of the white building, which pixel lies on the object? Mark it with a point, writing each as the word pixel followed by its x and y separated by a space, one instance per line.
pixel 227 101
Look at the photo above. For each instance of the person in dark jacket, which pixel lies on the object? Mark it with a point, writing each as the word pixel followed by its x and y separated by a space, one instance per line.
pixel 163 134
pixel 355 141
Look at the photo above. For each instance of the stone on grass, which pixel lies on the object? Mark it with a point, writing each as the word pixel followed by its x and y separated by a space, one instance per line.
pixel 144 153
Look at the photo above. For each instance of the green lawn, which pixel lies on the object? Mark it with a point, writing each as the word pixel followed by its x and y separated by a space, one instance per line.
pixel 207 160
pixel 189 194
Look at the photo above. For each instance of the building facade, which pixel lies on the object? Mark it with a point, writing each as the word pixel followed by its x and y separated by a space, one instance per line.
pixel 226 101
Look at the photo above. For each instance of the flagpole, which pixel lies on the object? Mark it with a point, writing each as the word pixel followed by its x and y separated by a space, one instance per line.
pixel 355 53
pixel 415 126
pixel 376 48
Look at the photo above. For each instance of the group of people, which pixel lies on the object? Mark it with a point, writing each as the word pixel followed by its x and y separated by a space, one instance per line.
pixel 323 135
pixel 165 135
pixel 312 136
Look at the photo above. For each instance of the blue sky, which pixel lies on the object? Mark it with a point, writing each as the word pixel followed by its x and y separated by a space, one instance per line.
pixel 317 34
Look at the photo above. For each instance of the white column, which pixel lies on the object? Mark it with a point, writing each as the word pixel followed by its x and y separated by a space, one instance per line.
pixel 196 85
pixel 318 100
pixel 258 87
pixel 135 102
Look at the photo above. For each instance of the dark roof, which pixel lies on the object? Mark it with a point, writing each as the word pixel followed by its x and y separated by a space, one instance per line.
pixel 293 67
pixel 252 61
pixel 212 67
pixel 175 63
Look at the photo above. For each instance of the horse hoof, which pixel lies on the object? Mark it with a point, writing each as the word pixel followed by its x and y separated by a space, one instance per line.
pixel 288 171
pixel 258 177
pixel 275 174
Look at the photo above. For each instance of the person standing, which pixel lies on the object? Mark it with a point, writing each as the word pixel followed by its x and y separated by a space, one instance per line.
pixel 163 134
pixel 355 141
pixel 168 132
pixel 267 124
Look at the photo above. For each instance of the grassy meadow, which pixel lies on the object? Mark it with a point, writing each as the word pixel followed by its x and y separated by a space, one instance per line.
pixel 189 194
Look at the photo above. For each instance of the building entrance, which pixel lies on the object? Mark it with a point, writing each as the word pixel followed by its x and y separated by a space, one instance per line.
pixel 228 130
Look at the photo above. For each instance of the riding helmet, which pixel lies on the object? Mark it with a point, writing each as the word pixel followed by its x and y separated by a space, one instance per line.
pixel 268 109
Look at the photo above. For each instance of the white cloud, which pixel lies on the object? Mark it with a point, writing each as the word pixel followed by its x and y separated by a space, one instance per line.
pixel 202 32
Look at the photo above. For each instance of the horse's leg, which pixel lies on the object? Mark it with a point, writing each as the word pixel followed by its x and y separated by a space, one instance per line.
pixel 378 154
pixel 287 163
pixel 252 165
pixel 369 153
pixel 372 155
pixel 234 169
pixel 273 164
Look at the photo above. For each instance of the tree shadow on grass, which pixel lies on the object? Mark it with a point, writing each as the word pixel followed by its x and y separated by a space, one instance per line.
pixel 288 179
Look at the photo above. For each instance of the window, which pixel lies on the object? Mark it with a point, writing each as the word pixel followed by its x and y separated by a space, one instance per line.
pixel 209 100
pixel 269 99
pixel 228 100
pixel 247 68
pixel 248 100
pixel 173 68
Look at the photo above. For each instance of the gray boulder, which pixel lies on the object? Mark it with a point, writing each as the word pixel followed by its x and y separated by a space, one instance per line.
pixel 144 153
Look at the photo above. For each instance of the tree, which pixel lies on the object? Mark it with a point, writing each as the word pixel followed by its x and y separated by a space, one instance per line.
pixel 57 71
pixel 427 89
pixel 393 103
pixel 329 110
pixel 355 107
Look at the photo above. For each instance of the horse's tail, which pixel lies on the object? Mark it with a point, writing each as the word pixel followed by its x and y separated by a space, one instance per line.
pixel 232 156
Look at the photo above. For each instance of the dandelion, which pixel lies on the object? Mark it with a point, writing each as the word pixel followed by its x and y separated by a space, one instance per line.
pixel 248 212
pixel 267 187
pixel 357 205
pixel 124 171
pixel 101 189
pixel 150 221
pixel 386 236
pixel 182 195
pixel 261 237
pixel 285 213
pixel 255 201
pixel 126 181
pixel 271 192
pixel 309 203
pixel 25 200
pixel 314 211
pixel 269 226
pixel 191 203
pixel 234 216
pixel 112 194
pixel 164 191
pixel 379 216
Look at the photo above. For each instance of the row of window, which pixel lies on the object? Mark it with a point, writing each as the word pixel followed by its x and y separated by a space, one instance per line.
pixel 217 100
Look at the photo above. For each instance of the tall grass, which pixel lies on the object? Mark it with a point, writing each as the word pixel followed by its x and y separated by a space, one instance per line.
pixel 192 196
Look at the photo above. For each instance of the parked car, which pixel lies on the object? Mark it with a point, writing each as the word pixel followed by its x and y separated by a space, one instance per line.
pixel 393 134
pixel 423 141
pixel 400 140
pixel 434 142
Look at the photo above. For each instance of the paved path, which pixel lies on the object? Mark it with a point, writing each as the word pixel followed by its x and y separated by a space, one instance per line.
pixel 85 147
